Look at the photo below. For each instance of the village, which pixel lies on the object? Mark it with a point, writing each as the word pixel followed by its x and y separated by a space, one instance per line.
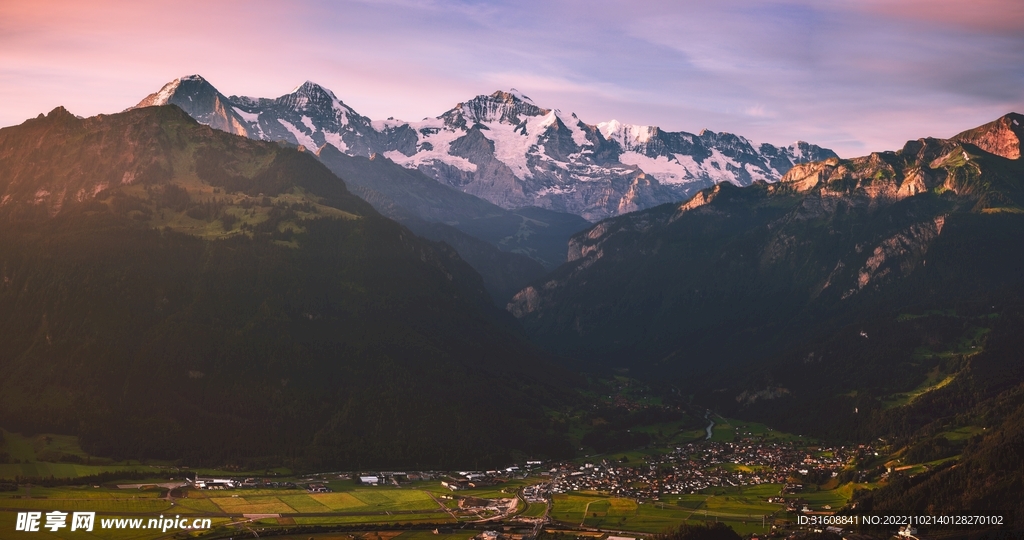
pixel 686 469
pixel 758 481
pixel 697 466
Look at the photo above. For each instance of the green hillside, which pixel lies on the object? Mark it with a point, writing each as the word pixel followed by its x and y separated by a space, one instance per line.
pixel 171 291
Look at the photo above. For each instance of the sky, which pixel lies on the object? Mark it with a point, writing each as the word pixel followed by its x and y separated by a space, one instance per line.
pixel 853 75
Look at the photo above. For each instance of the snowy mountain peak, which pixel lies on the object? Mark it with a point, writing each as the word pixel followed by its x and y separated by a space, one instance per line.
pixel 519 95
pixel 189 87
pixel 502 107
pixel 163 97
pixel 311 89
pixel 504 148
pixel 317 102
pixel 628 136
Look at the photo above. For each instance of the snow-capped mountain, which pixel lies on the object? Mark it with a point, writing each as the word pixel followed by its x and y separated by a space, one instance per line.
pixel 505 148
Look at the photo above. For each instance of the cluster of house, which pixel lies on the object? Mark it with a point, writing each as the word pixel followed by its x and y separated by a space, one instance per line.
pixel 393 478
pixel 472 479
pixel 694 467
pixel 199 482
pixel 213 483
pixel 453 480
pixel 536 493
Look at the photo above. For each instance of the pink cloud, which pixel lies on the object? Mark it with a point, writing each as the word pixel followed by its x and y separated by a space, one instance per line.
pixel 1002 16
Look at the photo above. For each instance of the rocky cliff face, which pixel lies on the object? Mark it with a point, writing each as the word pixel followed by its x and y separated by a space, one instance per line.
pixel 505 148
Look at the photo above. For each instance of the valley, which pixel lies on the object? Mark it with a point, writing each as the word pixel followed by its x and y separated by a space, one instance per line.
pixel 753 478
pixel 183 308
pixel 492 270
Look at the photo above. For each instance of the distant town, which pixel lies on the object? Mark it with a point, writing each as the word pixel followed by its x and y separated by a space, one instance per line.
pixel 687 469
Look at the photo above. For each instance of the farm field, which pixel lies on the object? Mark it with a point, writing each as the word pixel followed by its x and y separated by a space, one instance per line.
pixel 71 499
pixel 40 456
pixel 626 514
pixel 369 500
pixel 7 523
pixel 377 506
pixel 726 429
pixel 89 505
pixel 835 498
pixel 437 517
pixel 384 535
pixel 48 455
pixel 503 490
pixel 535 510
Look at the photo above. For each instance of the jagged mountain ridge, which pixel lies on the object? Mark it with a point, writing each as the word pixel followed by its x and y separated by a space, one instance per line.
pixel 872 297
pixel 653 284
pixel 505 148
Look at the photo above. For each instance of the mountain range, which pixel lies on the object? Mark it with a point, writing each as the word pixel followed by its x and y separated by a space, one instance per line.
pixel 168 289
pixel 504 148
pixel 874 298
pixel 747 277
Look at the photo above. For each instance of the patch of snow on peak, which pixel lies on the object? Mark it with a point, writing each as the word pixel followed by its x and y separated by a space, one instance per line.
pixel 796 150
pixel 308 122
pixel 629 136
pixel 721 173
pixel 247 116
pixel 677 169
pixel 521 96
pixel 390 123
pixel 608 129
pixel 300 137
pixel 757 174
pixel 433 132
pixel 334 139
pixel 573 123
pixel 342 110
pixel 163 97
pixel 513 144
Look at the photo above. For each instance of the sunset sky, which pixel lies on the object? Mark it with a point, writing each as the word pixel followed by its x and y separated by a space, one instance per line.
pixel 854 76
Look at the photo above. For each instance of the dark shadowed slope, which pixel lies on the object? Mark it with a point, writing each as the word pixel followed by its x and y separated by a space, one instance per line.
pixel 169 290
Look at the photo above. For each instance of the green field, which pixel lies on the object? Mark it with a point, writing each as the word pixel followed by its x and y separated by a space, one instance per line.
pixel 7 525
pixel 384 535
pixel 935 380
pixel 428 535
pixel 368 500
pixel 727 429
pixel 535 510
pixel 29 453
pixel 962 433
pixel 836 498
pixel 380 505
pixel 396 519
pixel 72 499
pixel 627 514
pixel 39 456
pixel 503 490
